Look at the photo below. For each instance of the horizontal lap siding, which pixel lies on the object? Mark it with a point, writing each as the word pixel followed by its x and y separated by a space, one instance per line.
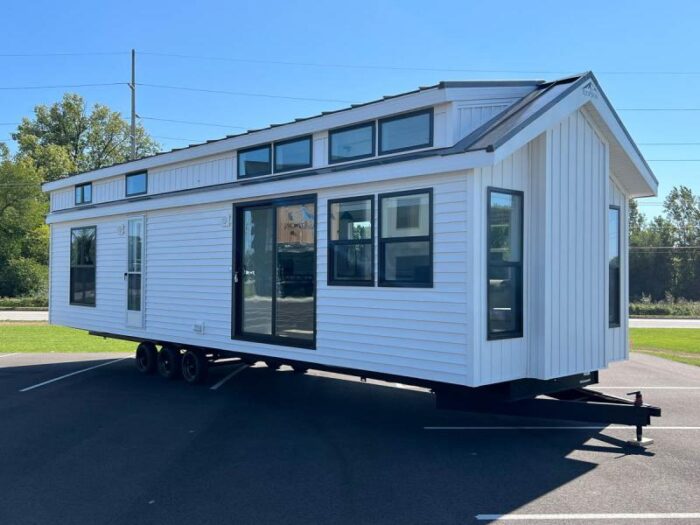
pixel 417 332
pixel 617 338
pixel 110 287
pixel 498 360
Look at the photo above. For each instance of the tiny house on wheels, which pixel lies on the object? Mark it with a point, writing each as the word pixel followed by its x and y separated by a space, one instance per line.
pixel 470 237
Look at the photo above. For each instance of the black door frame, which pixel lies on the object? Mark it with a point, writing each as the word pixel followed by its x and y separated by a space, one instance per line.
pixel 237 257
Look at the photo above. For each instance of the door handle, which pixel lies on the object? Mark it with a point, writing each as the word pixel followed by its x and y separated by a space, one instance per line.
pixel 235 276
pixel 125 274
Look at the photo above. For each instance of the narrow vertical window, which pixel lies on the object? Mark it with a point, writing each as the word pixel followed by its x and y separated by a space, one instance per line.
pixel 350 241
pixel 406 239
pixel 614 288
pixel 505 264
pixel 83 194
pixel 82 265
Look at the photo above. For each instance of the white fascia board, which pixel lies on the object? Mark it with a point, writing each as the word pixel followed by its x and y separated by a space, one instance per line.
pixel 239 192
pixel 430 97
pixel 571 103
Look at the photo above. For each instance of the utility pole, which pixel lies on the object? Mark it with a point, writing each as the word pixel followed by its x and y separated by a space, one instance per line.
pixel 132 85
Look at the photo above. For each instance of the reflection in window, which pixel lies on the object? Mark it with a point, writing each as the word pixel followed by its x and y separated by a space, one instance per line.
pixel 505 267
pixel 136 183
pixel 83 194
pixel 293 154
pixel 614 288
pixel 350 246
pixel 405 241
pixel 82 265
pixel 354 142
pixel 406 132
pixel 254 162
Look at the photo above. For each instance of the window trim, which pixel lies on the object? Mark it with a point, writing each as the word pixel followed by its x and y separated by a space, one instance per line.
pixel 381 281
pixel 519 332
pixel 126 183
pixel 331 243
pixel 81 187
pixel 299 138
pixel 268 147
pixel 70 268
pixel 367 123
pixel 429 111
pixel 618 322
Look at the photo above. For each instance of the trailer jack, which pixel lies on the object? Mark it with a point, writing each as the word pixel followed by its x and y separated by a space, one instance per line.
pixel 575 404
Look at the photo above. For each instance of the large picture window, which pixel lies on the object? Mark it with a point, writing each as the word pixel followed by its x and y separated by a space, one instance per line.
pixel 83 246
pixel 614 288
pixel 406 132
pixel 255 161
pixel 293 154
pixel 350 241
pixel 505 264
pixel 405 239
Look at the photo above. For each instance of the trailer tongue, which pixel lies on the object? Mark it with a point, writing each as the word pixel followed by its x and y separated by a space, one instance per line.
pixel 569 404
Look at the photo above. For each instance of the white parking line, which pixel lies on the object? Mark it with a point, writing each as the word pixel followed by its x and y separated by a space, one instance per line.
pixel 8 355
pixel 73 373
pixel 236 371
pixel 588 517
pixel 647 387
pixel 561 427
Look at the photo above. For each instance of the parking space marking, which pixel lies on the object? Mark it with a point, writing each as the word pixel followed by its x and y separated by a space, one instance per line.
pixel 588 517
pixel 8 355
pixel 73 374
pixel 229 376
pixel 561 427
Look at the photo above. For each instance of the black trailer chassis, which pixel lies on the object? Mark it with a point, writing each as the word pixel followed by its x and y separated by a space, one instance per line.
pixel 564 398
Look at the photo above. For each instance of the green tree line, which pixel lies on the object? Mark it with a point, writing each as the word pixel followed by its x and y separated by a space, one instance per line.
pixel 665 250
pixel 57 140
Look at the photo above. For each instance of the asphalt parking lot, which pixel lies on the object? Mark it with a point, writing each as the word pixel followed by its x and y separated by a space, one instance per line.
pixel 107 445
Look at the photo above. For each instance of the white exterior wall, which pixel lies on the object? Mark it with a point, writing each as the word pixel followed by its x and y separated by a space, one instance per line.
pixel 617 340
pixel 405 331
pixel 62 199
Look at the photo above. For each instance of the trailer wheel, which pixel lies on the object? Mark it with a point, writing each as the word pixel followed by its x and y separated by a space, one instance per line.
pixel 146 357
pixel 169 362
pixel 195 367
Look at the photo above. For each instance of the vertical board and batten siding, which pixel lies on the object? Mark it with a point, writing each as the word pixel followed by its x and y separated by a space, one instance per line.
pixel 505 359
pixel 576 203
pixel 108 190
pixel 62 199
pixel 617 338
pixel 203 172
pixel 415 332
pixel 471 116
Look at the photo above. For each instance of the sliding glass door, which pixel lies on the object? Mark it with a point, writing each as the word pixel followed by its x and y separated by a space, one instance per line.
pixel 275 272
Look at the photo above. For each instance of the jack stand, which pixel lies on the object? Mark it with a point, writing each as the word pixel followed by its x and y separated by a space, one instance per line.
pixel 641 441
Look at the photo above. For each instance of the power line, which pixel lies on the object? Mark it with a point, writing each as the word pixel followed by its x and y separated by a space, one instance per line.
pixel 194 122
pixel 61 86
pixel 243 94
pixel 668 143
pixel 70 54
pixel 673 160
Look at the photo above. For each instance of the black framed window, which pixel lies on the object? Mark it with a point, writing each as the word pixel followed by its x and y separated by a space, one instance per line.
pixel 351 143
pixel 83 194
pixel 406 239
pixel 406 132
pixel 351 241
pixel 136 183
pixel 614 284
pixel 253 162
pixel 505 263
pixel 294 154
pixel 83 248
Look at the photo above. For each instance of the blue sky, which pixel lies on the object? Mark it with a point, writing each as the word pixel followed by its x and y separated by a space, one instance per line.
pixel 415 43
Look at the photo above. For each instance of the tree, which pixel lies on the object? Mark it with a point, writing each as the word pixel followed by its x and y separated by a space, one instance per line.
pixel 23 234
pixel 65 138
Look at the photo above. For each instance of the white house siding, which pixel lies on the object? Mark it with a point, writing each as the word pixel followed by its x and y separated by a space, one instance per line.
pixel 617 345
pixel 108 190
pixel 62 199
pixel 203 172
pixel 498 360
pixel 416 332
pixel 471 116
pixel 576 264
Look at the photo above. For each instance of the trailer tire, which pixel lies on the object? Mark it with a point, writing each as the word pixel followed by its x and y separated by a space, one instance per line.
pixel 146 358
pixel 169 362
pixel 195 367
